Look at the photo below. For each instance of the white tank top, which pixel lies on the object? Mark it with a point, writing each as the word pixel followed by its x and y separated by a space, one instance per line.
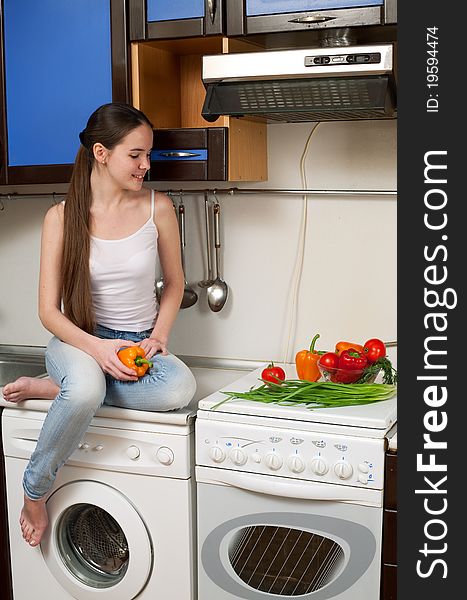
pixel 123 275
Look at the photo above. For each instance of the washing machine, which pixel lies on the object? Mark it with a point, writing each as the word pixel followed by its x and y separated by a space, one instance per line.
pixel 121 512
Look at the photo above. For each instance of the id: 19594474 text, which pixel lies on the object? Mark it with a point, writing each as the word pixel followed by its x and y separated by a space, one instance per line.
pixel 432 70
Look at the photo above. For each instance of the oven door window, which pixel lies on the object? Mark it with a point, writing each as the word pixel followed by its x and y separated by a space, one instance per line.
pixel 284 561
pixel 302 555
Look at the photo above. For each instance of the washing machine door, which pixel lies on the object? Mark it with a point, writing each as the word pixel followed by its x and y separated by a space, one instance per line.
pixel 97 544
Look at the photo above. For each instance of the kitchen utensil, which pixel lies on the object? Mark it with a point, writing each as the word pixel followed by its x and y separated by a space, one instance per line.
pixel 160 282
pixel 210 280
pixel 190 297
pixel 218 291
pixel 159 288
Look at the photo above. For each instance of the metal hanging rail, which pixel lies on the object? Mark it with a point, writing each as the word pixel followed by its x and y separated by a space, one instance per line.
pixel 231 192
pixel 299 192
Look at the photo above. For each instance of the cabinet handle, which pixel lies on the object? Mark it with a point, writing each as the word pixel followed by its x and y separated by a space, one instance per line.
pixel 312 19
pixel 212 9
pixel 178 154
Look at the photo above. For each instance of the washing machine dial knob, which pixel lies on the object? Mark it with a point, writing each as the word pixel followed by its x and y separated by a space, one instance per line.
pixel 165 455
pixel 343 469
pixel 238 456
pixel 319 466
pixel 133 452
pixel 274 461
pixel 296 464
pixel 217 454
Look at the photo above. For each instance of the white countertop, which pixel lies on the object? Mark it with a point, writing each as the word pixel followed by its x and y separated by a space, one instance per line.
pixel 208 380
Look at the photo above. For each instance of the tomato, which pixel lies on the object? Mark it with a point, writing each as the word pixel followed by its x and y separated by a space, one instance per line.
pixel 374 349
pixel 273 374
pixel 330 360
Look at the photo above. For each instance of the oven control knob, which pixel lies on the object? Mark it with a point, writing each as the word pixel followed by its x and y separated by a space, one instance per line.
pixel 319 466
pixel 216 454
pixel 273 461
pixel 343 469
pixel 296 464
pixel 133 452
pixel 238 456
pixel 165 455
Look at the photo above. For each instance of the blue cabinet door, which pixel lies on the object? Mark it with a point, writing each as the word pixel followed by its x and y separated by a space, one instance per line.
pixel 170 19
pixel 58 70
pixel 169 10
pixel 269 7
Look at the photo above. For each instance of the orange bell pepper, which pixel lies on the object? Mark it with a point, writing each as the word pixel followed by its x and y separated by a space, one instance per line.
pixel 341 346
pixel 133 357
pixel 306 362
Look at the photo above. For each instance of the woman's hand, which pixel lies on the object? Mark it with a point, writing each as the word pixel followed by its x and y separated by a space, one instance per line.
pixel 105 353
pixel 154 345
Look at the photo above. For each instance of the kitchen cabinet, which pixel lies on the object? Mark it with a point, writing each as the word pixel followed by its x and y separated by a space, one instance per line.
pixel 163 19
pixel 167 87
pixel 3 155
pixel 59 62
pixel 389 556
pixel 263 16
pixel 196 154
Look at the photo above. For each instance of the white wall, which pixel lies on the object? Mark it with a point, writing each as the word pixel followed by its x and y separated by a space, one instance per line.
pixel 348 283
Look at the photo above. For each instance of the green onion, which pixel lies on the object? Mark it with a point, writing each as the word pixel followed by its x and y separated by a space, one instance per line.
pixel 320 394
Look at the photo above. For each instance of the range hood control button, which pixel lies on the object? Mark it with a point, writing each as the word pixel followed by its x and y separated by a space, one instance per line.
pixel 310 61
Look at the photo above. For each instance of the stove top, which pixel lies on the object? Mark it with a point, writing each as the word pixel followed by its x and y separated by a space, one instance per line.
pixel 379 416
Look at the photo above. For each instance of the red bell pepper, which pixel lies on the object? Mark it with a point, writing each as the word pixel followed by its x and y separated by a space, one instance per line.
pixel 351 366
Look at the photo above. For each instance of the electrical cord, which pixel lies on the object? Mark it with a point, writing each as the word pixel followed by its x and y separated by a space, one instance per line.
pixel 298 267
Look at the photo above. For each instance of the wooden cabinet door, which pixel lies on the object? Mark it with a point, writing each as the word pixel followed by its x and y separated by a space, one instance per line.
pixel 61 61
pixel 167 19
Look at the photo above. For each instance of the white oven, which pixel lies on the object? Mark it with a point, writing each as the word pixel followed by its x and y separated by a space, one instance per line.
pixel 289 506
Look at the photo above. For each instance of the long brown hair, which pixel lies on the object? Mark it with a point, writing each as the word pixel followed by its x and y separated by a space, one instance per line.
pixel 108 125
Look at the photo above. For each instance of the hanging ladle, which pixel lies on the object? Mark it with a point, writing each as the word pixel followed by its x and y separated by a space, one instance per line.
pixel 160 282
pixel 218 291
pixel 190 297
pixel 210 280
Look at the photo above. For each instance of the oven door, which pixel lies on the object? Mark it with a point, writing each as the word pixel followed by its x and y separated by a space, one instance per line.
pixel 260 534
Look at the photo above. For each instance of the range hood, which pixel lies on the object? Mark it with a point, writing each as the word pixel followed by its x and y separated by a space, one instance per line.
pixel 319 84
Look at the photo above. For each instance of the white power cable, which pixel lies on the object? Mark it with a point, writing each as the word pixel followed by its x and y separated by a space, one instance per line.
pixel 297 274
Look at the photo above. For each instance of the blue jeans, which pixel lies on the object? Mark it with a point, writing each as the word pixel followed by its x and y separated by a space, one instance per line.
pixel 84 387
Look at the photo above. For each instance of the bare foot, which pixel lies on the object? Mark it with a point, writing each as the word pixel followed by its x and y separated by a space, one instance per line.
pixel 30 387
pixel 33 520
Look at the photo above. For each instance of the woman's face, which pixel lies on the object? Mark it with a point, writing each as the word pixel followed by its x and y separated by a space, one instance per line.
pixel 128 162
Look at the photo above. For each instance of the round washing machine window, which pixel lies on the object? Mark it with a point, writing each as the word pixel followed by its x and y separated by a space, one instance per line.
pixel 96 543
pixel 92 545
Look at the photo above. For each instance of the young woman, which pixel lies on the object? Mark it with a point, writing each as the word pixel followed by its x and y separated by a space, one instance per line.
pixel 96 295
